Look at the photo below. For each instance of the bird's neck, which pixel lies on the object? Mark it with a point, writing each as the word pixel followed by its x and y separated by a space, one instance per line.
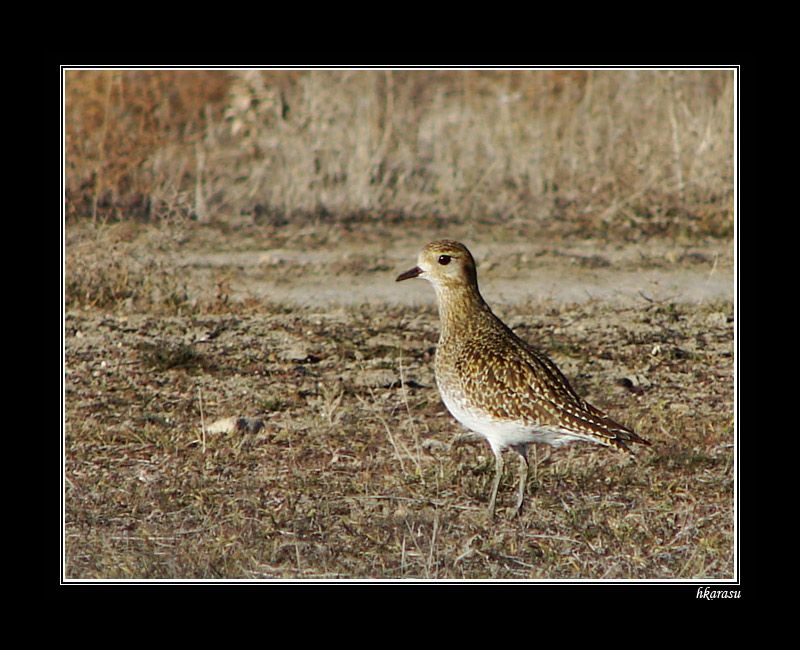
pixel 461 308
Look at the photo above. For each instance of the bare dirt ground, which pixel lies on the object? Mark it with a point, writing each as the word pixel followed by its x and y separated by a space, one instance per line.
pixel 283 421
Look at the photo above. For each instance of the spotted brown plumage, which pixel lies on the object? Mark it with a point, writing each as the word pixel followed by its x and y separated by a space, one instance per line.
pixel 493 382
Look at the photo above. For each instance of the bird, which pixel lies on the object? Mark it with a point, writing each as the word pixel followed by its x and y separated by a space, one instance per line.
pixel 495 384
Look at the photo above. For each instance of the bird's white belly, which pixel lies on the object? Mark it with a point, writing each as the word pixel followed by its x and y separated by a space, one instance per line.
pixel 503 433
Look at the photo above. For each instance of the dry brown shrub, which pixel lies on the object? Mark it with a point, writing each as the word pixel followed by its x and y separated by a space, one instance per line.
pixel 644 151
pixel 120 124
pixel 651 150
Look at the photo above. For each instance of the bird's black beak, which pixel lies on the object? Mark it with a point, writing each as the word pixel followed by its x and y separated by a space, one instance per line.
pixel 411 273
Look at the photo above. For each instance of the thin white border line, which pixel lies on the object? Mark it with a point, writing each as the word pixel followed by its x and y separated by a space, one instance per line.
pixel 736 430
pixel 665 581
pixel 521 68
pixel 672 582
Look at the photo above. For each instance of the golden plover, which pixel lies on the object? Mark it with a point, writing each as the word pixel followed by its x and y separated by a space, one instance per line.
pixel 493 382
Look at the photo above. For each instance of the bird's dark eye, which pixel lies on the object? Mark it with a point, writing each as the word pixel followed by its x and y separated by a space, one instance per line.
pixel 444 259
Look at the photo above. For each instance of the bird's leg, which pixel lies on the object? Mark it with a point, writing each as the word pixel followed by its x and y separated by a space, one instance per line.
pixel 543 461
pixel 498 474
pixel 522 451
pixel 546 457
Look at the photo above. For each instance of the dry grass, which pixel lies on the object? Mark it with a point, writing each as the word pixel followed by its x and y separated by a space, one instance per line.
pixel 128 134
pixel 630 152
pixel 113 267
pixel 337 484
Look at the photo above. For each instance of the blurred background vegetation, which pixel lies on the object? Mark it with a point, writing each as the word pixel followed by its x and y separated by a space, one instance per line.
pixel 633 152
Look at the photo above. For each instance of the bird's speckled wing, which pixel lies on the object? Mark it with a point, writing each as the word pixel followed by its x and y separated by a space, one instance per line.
pixel 526 385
